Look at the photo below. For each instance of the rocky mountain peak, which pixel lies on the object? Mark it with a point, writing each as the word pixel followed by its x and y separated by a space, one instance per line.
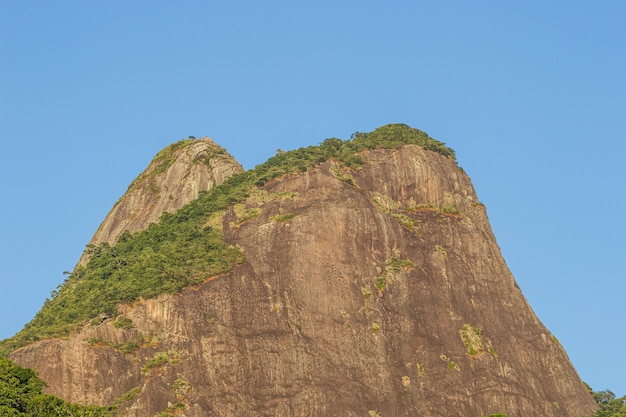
pixel 357 278
pixel 175 177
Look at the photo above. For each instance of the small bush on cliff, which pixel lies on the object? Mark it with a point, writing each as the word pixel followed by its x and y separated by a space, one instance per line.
pixel 185 248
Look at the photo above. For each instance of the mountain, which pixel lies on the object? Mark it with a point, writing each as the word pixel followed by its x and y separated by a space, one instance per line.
pixel 355 278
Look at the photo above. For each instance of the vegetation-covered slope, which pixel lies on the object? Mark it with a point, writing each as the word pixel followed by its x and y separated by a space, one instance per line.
pixel 187 247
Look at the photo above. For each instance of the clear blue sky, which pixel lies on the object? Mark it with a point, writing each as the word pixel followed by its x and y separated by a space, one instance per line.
pixel 531 95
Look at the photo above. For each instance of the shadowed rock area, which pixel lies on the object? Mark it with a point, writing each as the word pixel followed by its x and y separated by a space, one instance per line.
pixel 371 291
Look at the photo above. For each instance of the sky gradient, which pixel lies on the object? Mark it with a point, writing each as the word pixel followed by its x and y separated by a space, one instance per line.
pixel 531 96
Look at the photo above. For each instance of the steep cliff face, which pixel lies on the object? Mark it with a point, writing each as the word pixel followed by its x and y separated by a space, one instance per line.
pixel 174 178
pixel 377 291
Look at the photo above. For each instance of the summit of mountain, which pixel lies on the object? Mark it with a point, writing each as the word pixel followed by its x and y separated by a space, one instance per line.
pixel 354 278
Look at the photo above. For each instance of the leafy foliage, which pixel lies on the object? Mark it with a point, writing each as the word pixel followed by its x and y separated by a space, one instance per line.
pixel 21 396
pixel 187 247
pixel 610 405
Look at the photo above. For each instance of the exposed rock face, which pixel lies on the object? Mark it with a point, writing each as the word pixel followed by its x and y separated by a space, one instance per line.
pixel 371 292
pixel 174 178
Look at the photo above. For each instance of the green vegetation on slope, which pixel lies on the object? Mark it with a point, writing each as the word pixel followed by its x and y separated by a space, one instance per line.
pixel 21 396
pixel 188 247
pixel 395 135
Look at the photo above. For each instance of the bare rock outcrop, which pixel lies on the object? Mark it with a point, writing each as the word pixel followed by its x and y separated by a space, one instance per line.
pixel 378 291
pixel 174 178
